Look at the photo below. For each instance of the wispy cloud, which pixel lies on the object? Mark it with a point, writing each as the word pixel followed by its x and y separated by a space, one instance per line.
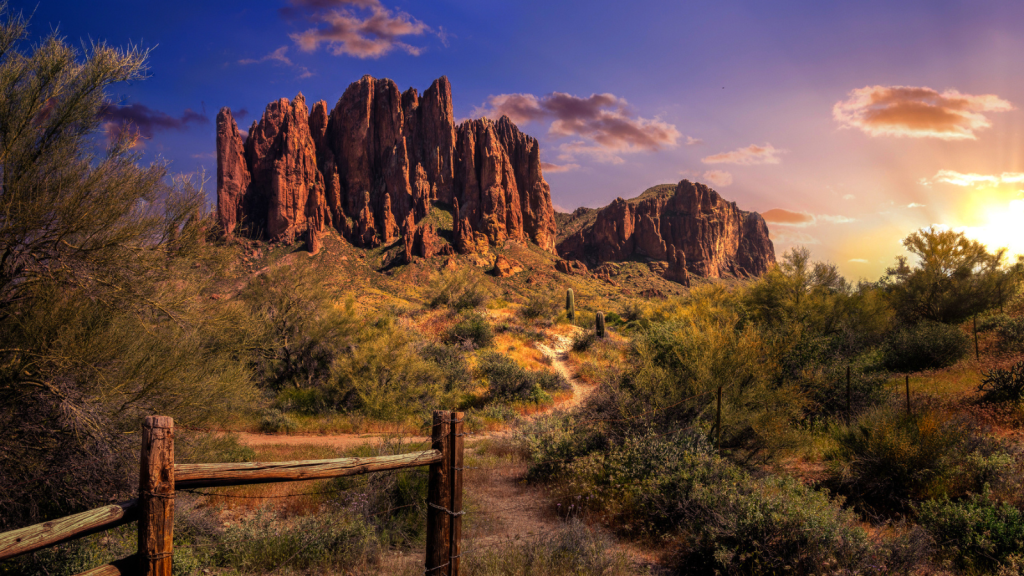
pixel 359 28
pixel 554 168
pixel 858 260
pixel 973 179
pixel 279 56
pixel 752 154
pixel 917 112
pixel 790 218
pixel 915 205
pixel 604 121
pixel 718 177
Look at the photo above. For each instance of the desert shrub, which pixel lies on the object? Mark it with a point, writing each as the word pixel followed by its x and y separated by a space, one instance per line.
pixel 1003 385
pixel 978 532
pixel 1011 334
pixel 613 318
pixel 825 387
pixel 992 321
pixel 452 363
pixel 676 488
pixel 572 550
pixel 583 340
pixel 473 330
pixel 386 377
pixel 888 458
pixel 509 381
pixel 459 291
pixel 298 328
pixel 273 421
pixel 552 442
pixel 924 346
pixel 327 540
pixel 540 304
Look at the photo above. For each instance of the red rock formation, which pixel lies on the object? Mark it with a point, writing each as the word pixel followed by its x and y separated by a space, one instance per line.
pixel 571 267
pixel 232 172
pixel 376 158
pixel 286 192
pixel 534 193
pixel 693 228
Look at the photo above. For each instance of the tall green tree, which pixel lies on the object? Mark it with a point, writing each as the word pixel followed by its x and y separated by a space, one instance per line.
pixel 102 262
pixel 953 278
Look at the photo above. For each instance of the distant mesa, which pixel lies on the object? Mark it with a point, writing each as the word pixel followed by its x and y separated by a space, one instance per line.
pixel 688 226
pixel 376 165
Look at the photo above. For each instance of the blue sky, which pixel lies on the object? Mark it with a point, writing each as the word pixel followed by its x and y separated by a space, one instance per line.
pixel 740 95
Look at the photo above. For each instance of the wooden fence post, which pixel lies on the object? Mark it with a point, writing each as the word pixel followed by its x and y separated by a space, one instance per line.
pixel 439 498
pixel 456 444
pixel 156 496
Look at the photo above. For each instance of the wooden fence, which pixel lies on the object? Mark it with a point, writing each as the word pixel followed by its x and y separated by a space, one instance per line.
pixel 159 476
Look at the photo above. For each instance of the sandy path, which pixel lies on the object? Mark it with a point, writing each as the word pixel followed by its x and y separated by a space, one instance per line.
pixel 556 352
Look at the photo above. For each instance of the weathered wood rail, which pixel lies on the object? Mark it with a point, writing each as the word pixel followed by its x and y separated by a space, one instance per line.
pixel 159 478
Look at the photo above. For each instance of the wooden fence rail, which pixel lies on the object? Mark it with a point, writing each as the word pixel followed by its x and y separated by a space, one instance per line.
pixel 159 477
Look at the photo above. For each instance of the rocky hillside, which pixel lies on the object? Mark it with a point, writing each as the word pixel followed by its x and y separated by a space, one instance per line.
pixel 688 226
pixel 373 166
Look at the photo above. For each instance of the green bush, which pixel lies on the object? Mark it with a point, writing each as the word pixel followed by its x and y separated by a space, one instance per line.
pixel 539 305
pixel 472 330
pixel 888 458
pixel 583 340
pixel 719 518
pixel 924 346
pixel 978 533
pixel 273 421
pixel 509 381
pixel 1011 334
pixel 825 386
pixel 452 363
pixel 1003 385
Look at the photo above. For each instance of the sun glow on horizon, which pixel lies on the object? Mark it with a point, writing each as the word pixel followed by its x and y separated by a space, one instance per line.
pixel 1002 227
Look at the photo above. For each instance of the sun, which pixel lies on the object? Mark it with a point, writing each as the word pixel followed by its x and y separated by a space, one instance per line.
pixel 1003 227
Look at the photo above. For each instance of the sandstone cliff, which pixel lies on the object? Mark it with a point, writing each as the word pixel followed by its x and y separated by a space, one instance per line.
pixel 378 158
pixel 689 226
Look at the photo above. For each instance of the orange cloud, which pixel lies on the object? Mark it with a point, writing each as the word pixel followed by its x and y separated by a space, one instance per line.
pixel 752 154
pixel 371 33
pixel 604 121
pixel 801 219
pixel 780 216
pixel 718 177
pixel 917 112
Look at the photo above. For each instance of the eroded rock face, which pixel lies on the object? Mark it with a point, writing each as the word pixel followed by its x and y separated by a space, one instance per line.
pixel 286 193
pixel 693 229
pixel 377 158
pixel 232 172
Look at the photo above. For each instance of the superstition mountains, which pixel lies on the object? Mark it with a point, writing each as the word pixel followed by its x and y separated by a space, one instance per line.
pixel 374 166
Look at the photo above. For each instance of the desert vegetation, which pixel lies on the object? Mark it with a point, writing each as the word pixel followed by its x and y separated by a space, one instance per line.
pixel 794 423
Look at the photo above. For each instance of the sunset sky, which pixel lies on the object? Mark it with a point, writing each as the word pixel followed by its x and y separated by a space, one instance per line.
pixel 847 124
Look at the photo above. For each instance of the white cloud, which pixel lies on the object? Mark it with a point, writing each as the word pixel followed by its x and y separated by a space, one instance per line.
pixel 973 179
pixel 718 177
pixel 752 154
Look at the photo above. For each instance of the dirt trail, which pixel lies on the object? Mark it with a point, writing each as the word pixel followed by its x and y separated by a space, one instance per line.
pixel 556 352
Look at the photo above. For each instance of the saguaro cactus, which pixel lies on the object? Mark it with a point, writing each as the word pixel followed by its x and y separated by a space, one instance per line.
pixel 570 305
pixel 600 324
